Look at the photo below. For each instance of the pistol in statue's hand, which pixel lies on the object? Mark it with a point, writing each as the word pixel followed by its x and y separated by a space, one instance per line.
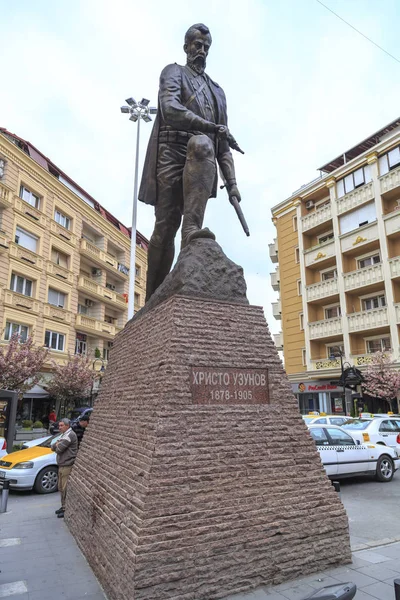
pixel 233 191
pixel 223 133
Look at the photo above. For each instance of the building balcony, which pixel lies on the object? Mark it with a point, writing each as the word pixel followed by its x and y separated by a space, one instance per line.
pixel 3 242
pixel 392 222
pixel 57 314
pixel 5 196
pixel 103 294
pixel 325 329
pixel 323 364
pixel 362 360
pixel 319 255
pixel 24 208
pixel 390 181
pixel 95 327
pixel 103 259
pixel 359 237
pixel 316 218
pixel 278 340
pixel 273 251
pixel 61 273
pixel 368 319
pixel 394 264
pixel 26 256
pixel 275 280
pixel 21 302
pixel 363 277
pixel 63 234
pixel 277 310
pixel 322 289
pixel 355 198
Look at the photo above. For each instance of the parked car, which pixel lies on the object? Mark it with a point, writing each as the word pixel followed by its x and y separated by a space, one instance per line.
pixel 343 457
pixel 329 420
pixel 378 430
pixel 35 442
pixel 74 416
pixel 33 468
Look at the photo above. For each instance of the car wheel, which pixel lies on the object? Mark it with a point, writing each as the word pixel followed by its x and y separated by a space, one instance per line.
pixel 47 481
pixel 384 468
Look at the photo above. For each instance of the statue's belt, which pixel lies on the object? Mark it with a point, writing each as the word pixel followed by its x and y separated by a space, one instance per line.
pixel 166 136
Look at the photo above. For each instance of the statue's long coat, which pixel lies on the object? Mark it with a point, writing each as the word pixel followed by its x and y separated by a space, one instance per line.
pixel 180 108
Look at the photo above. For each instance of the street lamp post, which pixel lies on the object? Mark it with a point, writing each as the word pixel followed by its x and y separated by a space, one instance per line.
pixel 100 372
pixel 137 111
pixel 350 375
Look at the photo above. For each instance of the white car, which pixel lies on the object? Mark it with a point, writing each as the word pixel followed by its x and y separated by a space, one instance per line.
pixel 378 430
pixel 343 457
pixel 326 420
pixel 35 442
pixel 34 468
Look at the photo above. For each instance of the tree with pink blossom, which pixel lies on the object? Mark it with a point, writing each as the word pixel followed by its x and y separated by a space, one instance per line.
pixel 71 381
pixel 20 364
pixel 381 379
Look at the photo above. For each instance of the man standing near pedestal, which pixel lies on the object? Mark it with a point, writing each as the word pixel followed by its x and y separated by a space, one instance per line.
pixel 190 133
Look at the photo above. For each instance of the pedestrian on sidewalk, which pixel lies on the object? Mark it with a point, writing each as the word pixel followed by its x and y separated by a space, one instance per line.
pixel 66 448
pixel 81 428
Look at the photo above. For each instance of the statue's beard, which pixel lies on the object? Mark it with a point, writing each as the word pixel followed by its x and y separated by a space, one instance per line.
pixel 197 63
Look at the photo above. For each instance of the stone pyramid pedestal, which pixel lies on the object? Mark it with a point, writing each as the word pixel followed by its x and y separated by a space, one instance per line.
pixel 197 477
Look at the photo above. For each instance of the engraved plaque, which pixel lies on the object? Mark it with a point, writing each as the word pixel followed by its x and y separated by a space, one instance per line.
pixel 211 385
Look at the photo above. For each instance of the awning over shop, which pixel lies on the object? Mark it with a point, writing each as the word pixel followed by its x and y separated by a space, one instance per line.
pixel 36 392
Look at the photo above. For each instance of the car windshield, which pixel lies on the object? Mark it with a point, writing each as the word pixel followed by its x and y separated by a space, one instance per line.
pixel 357 424
pixel 48 443
pixel 308 420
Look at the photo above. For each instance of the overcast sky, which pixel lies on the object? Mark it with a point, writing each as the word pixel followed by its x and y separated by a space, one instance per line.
pixel 301 86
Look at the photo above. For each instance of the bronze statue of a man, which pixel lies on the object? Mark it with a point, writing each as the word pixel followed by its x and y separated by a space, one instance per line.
pixel 190 134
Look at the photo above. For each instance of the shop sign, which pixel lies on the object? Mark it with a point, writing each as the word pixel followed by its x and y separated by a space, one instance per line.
pixel 314 386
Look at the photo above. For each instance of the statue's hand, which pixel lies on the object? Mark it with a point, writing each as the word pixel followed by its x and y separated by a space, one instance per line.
pixel 233 191
pixel 222 132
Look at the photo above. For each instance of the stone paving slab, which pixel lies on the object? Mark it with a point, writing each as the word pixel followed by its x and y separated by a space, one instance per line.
pixel 38 551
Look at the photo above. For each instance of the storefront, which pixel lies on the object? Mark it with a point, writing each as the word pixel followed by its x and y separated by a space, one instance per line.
pixel 322 396
pixel 35 405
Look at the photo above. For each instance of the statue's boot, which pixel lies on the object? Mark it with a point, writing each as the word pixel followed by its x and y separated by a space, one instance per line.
pixel 159 262
pixel 198 180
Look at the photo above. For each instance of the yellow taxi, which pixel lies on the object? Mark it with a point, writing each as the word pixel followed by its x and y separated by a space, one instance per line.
pixel 33 468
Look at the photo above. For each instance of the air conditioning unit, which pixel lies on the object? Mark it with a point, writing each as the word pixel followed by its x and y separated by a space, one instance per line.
pixel 96 272
pixel 309 204
pixel 88 302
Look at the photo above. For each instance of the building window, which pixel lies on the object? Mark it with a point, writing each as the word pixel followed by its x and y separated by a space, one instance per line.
pixel 137 298
pixel 138 271
pixel 29 197
pixel 297 254
pixel 81 345
pixel 332 312
pixel 303 357
pixel 12 328
pixel 353 181
pixel 301 318
pixel 21 285
pixel 295 225
pixel 62 219
pixel 107 350
pixel 389 161
pixel 335 351
pixel 25 239
pixel 59 258
pixel 325 237
pixel 374 302
pixel 368 261
pixel 56 298
pixel 331 274
pixel 54 340
pixel 379 345
pixel 82 309
pixel 109 319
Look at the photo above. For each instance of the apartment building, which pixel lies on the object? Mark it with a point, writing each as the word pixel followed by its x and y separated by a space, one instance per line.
pixel 64 259
pixel 338 243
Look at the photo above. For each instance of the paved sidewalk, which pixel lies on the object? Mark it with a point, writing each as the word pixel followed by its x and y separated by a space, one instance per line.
pixel 39 560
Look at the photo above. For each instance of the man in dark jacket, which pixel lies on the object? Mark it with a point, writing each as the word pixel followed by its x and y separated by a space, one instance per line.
pixel 190 133
pixel 66 448
pixel 80 428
